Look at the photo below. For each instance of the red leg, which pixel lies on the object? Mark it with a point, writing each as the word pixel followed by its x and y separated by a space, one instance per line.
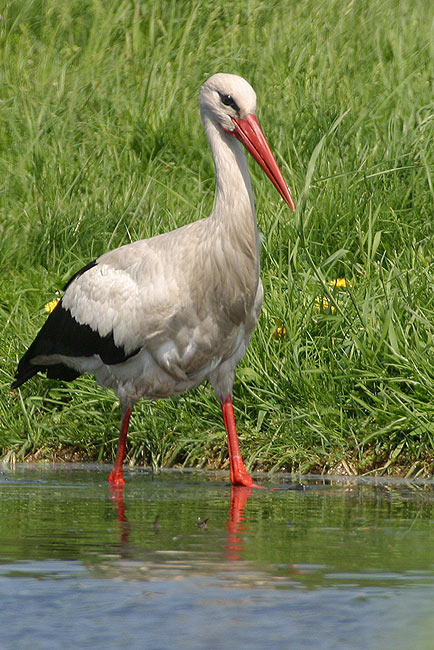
pixel 239 474
pixel 116 476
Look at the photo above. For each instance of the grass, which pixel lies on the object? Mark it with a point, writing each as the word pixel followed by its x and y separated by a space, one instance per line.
pixel 101 144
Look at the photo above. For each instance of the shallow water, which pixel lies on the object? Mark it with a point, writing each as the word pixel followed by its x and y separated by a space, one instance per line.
pixel 181 560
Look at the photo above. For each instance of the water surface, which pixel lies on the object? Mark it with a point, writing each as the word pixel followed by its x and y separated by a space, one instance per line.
pixel 182 560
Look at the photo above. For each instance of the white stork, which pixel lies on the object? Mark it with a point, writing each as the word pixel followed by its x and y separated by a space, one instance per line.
pixel 159 316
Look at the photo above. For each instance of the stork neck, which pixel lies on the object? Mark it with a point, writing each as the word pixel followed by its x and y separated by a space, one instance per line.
pixel 234 204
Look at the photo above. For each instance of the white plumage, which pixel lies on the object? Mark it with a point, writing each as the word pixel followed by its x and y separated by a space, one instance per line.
pixel 159 316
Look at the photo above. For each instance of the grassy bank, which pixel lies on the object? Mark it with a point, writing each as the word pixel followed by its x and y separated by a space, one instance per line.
pixel 101 144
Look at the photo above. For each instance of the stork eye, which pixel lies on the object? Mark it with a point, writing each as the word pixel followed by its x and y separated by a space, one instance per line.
pixel 227 100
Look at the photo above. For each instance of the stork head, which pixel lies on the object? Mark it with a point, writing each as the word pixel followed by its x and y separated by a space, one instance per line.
pixel 226 97
pixel 230 102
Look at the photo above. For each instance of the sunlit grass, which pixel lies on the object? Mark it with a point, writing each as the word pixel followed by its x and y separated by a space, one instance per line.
pixel 101 144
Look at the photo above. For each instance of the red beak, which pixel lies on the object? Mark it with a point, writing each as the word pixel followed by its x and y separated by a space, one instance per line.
pixel 249 132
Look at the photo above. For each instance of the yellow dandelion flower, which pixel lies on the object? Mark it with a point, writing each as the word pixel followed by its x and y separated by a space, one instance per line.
pixel 324 304
pixel 340 283
pixel 51 305
pixel 279 332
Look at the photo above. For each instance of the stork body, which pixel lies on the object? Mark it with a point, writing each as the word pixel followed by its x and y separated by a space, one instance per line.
pixel 159 316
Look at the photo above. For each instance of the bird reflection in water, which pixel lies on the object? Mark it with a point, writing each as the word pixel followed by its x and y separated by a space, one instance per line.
pixel 234 525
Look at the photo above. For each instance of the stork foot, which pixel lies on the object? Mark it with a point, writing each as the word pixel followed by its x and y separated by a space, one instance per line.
pixel 242 478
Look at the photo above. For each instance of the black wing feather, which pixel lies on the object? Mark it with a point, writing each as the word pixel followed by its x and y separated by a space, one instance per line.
pixel 63 334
